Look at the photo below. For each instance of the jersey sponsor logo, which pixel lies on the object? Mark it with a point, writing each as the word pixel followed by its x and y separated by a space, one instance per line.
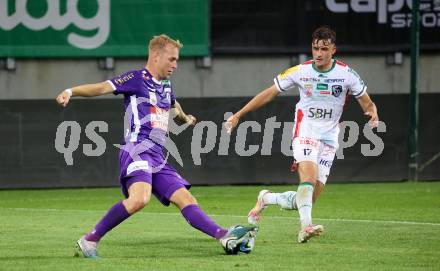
pixel 321 86
pixel 320 113
pixel 308 89
pixel 309 79
pixel 124 79
pixel 159 118
pixel 138 165
pixel 311 142
pixel 325 163
pixel 334 80
pixel 336 90
pixel 289 71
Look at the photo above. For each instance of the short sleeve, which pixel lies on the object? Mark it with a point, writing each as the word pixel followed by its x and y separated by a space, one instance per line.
pixel 126 83
pixel 287 79
pixel 356 86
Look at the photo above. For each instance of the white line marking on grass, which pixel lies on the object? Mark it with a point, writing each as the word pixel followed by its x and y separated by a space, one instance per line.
pixel 380 221
pixel 351 220
pixel 237 216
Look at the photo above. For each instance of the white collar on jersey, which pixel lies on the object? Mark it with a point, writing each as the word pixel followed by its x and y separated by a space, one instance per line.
pixel 156 81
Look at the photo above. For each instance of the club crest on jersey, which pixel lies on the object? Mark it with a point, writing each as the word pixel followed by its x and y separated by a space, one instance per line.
pixel 336 90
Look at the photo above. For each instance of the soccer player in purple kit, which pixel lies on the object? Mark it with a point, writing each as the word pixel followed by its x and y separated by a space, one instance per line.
pixel 148 97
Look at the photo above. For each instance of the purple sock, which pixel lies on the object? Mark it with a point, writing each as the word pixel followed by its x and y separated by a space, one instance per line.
pixel 113 218
pixel 199 220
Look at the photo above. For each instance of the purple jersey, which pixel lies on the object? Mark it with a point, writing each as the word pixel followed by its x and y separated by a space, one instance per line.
pixel 147 104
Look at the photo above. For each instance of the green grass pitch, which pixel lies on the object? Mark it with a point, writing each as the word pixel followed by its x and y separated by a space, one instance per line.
pixel 368 227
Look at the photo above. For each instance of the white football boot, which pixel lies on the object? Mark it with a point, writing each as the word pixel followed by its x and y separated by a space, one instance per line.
pixel 88 249
pixel 254 214
pixel 308 232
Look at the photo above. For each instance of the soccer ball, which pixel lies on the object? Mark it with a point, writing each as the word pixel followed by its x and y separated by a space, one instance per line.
pixel 244 246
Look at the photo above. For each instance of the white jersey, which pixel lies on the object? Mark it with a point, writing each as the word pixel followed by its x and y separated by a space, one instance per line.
pixel 322 98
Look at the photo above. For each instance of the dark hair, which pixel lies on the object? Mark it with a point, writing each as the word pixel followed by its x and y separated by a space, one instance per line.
pixel 324 33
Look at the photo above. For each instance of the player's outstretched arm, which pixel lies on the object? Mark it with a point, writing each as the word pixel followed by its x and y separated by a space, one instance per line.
pixel 258 101
pixel 369 109
pixel 88 90
pixel 181 116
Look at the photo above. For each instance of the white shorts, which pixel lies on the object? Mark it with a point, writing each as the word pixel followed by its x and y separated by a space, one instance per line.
pixel 307 149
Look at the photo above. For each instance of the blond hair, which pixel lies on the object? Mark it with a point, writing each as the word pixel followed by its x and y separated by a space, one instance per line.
pixel 159 42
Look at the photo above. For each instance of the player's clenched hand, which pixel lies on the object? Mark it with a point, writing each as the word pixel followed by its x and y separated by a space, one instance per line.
pixel 191 120
pixel 372 114
pixel 63 98
pixel 231 123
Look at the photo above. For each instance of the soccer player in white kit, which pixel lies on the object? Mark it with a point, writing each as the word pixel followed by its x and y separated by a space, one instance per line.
pixel 324 84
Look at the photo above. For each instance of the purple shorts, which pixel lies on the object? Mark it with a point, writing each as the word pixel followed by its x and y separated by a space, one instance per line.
pixel 151 168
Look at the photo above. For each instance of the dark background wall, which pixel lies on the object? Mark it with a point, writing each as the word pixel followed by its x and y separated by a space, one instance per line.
pixel 28 158
pixel 285 26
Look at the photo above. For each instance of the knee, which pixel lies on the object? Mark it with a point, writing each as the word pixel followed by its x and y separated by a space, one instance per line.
pixel 308 171
pixel 186 200
pixel 139 204
pixel 136 204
